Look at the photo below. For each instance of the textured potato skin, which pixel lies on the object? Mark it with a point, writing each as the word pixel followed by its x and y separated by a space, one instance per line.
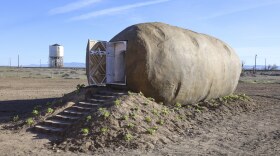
pixel 172 64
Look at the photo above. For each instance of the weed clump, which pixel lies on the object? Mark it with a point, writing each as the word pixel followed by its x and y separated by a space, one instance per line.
pixel 117 102
pixel 152 130
pixel 104 112
pixel 50 110
pixel 29 122
pixel 85 131
pixel 16 118
pixel 35 112
pixel 128 137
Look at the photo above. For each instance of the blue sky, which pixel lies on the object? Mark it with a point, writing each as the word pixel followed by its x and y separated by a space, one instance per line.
pixel 28 27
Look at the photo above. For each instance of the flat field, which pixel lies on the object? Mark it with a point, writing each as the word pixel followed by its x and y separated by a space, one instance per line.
pixel 254 132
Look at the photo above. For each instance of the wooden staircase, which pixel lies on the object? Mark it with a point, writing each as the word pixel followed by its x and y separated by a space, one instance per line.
pixel 59 123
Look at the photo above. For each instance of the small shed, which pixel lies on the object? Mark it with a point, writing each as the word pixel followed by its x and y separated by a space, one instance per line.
pixel 105 62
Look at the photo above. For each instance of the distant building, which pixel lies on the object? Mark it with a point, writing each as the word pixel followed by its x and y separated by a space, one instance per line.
pixel 56 54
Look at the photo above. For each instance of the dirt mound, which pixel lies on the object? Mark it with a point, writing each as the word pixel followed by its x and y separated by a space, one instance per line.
pixel 136 122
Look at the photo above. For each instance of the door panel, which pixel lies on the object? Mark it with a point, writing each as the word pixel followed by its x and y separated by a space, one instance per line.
pixel 97 64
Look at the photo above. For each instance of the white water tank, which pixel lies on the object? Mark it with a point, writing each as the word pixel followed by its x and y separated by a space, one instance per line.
pixel 56 54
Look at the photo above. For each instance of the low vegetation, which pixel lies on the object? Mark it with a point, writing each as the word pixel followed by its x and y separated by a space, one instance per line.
pixel 139 121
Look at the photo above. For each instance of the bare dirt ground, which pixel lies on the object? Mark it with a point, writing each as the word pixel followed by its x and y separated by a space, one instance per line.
pixel 254 132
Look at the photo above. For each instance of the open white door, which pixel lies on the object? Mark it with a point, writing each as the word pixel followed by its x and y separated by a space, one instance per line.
pixel 115 62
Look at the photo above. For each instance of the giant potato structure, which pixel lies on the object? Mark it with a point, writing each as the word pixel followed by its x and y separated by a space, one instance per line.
pixel 173 64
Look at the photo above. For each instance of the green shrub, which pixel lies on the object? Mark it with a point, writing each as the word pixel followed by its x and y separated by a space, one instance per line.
pixel 165 111
pixel 148 119
pixel 130 93
pixel 15 118
pixel 35 112
pixel 37 107
pixel 155 112
pixel 85 131
pixel 152 130
pixel 104 130
pixel 79 87
pixel 128 137
pixel 50 110
pixel 88 118
pixel 130 125
pixel 160 122
pixel 117 102
pixel 104 112
pixel 140 93
pixel 125 117
pixel 150 98
pixel 178 105
pixel 29 122
pixel 132 115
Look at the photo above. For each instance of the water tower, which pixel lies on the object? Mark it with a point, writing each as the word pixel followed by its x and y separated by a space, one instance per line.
pixel 56 53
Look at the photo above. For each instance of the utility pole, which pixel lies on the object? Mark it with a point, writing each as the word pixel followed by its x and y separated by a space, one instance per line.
pixel 10 62
pixel 18 60
pixel 265 64
pixel 255 63
pixel 40 63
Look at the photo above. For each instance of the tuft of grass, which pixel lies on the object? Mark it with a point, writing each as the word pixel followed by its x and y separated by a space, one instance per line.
pixel 150 98
pixel 117 102
pixel 198 108
pixel 132 115
pixel 104 130
pixel 35 112
pixel 50 110
pixel 160 122
pixel 85 131
pixel 145 103
pixel 130 93
pixel 105 113
pixel 130 125
pixel 244 97
pixel 16 118
pixel 88 118
pixel 79 87
pixel 140 93
pixel 179 117
pixel 37 107
pixel 148 119
pixel 178 105
pixel 155 112
pixel 128 137
pixel 125 117
pixel 29 122
pixel 152 130
pixel 165 111
pixel 233 97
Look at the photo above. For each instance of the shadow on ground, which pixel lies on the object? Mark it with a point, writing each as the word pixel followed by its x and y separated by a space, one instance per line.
pixel 9 109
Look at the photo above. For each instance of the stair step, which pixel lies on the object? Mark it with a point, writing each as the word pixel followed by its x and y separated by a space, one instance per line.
pixel 87 104
pixel 48 129
pixel 101 96
pixel 66 117
pixel 74 113
pixel 97 100
pixel 57 123
pixel 110 93
pixel 81 108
